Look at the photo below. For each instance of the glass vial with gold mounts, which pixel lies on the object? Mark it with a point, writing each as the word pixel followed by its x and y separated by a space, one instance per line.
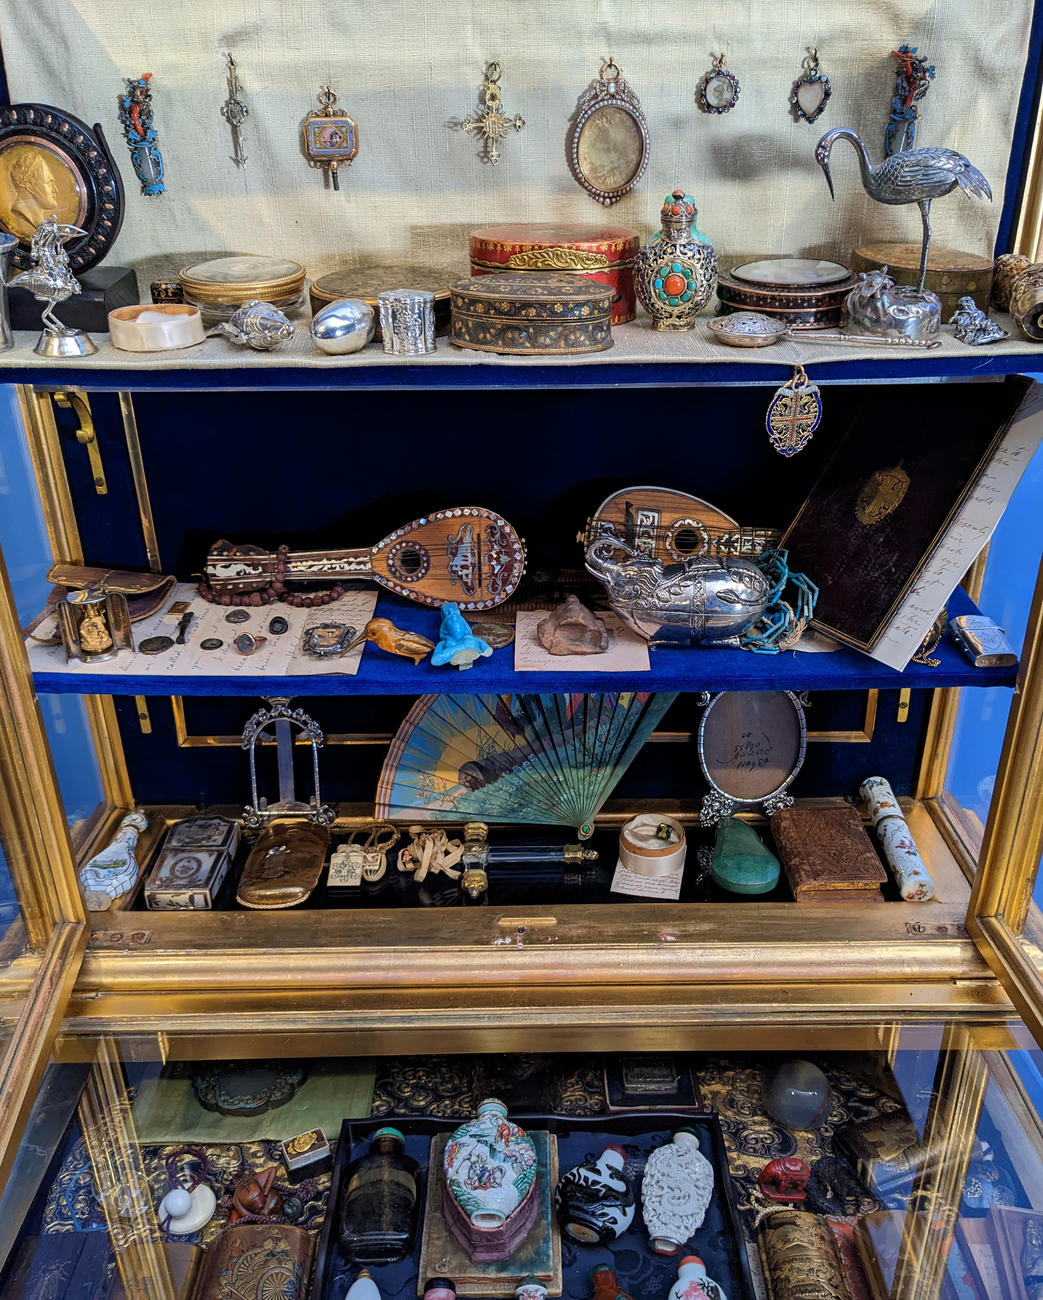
pixel 608 143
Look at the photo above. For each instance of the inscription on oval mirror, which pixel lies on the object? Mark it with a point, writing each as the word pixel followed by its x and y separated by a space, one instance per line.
pixel 752 742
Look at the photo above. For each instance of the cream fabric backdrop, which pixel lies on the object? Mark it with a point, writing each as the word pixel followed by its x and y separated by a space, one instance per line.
pixel 405 69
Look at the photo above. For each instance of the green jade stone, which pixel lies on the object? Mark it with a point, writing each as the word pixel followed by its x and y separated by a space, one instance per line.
pixel 742 863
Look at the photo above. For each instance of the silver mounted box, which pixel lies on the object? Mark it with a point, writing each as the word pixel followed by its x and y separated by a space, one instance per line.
pixel 192 864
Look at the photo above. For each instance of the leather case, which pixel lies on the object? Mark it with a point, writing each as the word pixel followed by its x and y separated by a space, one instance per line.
pixel 146 593
pixel 284 865
pixel 256 1261
pixel 826 854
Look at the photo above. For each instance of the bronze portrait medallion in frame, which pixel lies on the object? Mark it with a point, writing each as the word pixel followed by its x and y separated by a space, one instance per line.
pixel 52 163
pixel 608 143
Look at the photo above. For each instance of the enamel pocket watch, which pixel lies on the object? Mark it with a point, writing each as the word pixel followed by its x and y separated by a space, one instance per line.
pixel 608 144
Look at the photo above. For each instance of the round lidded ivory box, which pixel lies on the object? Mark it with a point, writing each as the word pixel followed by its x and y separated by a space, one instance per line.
pixel 156 327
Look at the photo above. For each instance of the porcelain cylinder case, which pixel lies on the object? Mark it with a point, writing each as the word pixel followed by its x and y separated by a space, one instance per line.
pixel 676 273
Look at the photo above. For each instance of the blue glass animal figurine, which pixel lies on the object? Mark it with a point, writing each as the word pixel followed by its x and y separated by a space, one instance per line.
pixel 135 106
pixel 456 644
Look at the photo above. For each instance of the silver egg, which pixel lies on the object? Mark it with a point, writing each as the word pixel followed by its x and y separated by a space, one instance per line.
pixel 344 326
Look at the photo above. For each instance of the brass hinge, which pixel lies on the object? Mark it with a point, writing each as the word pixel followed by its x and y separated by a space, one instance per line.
pixel 80 406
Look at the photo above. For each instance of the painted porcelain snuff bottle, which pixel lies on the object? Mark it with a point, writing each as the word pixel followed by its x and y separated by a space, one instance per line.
pixel 606 1284
pixel 531 1288
pixel 490 1179
pixel 593 1200
pixel 675 1192
pixel 676 272
pixel 692 1282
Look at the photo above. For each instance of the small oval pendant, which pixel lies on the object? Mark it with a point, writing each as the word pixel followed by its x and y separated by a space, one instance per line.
pixel 794 414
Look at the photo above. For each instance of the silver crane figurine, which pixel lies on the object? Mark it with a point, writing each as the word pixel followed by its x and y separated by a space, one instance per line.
pixel 50 280
pixel 912 176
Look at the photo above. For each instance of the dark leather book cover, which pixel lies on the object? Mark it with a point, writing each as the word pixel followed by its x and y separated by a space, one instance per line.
pixel 824 850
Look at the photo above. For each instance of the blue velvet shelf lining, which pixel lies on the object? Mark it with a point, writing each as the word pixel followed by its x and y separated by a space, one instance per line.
pixel 671 670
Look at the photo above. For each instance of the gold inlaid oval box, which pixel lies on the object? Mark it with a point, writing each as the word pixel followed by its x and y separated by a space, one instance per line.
pixel 520 314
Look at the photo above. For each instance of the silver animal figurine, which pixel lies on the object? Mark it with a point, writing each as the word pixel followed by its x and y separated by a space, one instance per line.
pixel 50 280
pixel 256 324
pixel 699 601
pixel 971 325
pixel 878 306
pixel 913 176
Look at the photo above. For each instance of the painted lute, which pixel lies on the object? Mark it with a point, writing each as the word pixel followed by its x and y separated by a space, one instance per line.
pixel 467 554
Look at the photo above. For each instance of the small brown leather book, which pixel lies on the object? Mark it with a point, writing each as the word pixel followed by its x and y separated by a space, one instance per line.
pixel 826 854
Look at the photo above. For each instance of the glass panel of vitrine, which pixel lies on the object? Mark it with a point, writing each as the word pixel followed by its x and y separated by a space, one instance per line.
pixel 27 554
pixel 981 716
pixel 909 1159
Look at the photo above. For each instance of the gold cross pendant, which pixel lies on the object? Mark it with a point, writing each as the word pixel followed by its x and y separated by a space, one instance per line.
pixel 489 121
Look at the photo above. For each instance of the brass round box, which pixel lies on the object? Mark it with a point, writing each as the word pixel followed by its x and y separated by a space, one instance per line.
pixel 366 282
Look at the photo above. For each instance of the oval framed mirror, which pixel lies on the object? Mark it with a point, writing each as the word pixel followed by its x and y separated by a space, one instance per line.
pixel 751 746
pixel 608 143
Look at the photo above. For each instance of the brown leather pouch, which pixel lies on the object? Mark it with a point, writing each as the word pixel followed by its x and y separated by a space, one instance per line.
pixel 284 865
pixel 146 594
pixel 255 1261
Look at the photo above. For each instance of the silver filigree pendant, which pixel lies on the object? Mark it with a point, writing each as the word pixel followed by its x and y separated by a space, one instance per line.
pixel 811 90
pixel 794 414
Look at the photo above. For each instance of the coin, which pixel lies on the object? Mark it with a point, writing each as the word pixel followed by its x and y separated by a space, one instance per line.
pixel 237 616
pixel 211 643
pixel 278 625
pixel 155 645
pixel 495 635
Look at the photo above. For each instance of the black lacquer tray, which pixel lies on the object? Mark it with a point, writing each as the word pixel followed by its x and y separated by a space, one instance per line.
pixel 719 1242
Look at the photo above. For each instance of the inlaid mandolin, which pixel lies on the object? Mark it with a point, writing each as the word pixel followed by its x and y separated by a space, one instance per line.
pixel 467 554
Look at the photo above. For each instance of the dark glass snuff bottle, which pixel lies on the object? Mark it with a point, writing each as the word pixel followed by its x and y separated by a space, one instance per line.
pixel 380 1201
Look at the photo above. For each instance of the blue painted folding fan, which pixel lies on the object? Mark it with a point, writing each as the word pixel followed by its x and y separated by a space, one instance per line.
pixel 514 758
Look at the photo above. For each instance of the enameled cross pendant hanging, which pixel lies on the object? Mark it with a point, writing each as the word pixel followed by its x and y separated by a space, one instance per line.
pixel 794 414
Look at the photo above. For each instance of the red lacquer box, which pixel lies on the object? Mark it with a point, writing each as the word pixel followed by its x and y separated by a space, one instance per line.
pixel 603 253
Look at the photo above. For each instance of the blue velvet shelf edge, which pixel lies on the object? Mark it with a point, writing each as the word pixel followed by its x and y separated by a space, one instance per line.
pixel 671 670
pixel 608 374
